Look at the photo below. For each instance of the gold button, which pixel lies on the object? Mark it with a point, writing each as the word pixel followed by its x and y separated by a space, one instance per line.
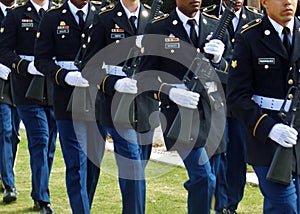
pixel 233 40
pixel 155 96
pixel 98 87
pixel 291 68
pixel 266 66
pixel 290 96
pixel 82 35
pixel 290 82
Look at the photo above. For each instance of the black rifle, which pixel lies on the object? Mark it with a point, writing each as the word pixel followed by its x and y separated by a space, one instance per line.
pixel 35 90
pixel 194 80
pixel 2 83
pixel 125 108
pixel 80 100
pixel 181 128
pixel 280 170
pixel 155 8
pixel 225 20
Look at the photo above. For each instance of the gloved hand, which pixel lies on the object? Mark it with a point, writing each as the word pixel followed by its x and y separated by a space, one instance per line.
pixel 215 47
pixel 32 69
pixel 184 98
pixel 126 85
pixel 4 71
pixel 74 78
pixel 283 135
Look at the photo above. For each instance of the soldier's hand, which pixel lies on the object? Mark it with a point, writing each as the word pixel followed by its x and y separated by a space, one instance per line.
pixel 184 98
pixel 126 85
pixel 215 47
pixel 283 135
pixel 4 71
pixel 74 78
pixel 32 69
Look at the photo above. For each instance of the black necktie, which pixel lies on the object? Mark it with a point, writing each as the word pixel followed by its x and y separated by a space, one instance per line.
pixel 81 21
pixel 286 40
pixel 132 20
pixel 193 34
pixel 42 12
pixel 8 10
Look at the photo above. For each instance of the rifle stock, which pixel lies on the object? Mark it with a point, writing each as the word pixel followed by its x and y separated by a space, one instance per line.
pixel 78 101
pixel 181 128
pixel 2 83
pixel 280 170
pixel 35 90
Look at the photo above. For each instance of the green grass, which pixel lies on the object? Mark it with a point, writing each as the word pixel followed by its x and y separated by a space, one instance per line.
pixel 165 191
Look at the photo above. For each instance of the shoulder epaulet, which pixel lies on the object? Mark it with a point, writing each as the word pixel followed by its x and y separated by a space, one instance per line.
pixel 159 18
pixel 21 4
pixel 250 25
pixel 54 8
pixel 96 2
pixel 147 6
pixel 208 8
pixel 210 16
pixel 253 10
pixel 107 8
pixel 55 4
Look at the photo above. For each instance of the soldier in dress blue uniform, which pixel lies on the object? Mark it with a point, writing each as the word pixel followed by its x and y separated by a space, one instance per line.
pixel 61 33
pixel 261 73
pixel 17 49
pixel 177 42
pixel 9 123
pixel 231 178
pixel 132 143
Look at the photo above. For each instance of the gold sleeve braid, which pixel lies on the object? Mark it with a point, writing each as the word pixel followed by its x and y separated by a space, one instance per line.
pixel 56 76
pixel 257 123
pixel 159 90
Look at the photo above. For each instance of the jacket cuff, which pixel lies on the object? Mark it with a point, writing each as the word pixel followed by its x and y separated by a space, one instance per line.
pixel 108 84
pixel 263 127
pixel 163 93
pixel 222 65
pixel 21 66
pixel 60 77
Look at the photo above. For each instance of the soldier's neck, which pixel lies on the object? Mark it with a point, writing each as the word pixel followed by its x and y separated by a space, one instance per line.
pixel 131 5
pixel 40 2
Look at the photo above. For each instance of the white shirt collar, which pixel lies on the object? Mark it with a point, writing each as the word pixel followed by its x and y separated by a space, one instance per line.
pixel 74 9
pixel 38 7
pixel 237 13
pixel 184 18
pixel 279 28
pixel 128 13
pixel 3 7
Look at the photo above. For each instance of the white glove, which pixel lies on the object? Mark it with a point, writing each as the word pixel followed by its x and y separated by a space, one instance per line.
pixel 74 78
pixel 215 47
pixel 184 98
pixel 283 135
pixel 4 71
pixel 126 85
pixel 32 69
